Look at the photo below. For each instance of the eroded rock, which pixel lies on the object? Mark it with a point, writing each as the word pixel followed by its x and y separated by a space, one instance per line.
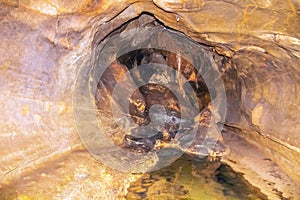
pixel 44 45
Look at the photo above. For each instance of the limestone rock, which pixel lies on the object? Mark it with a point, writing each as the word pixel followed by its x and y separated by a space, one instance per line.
pixel 44 44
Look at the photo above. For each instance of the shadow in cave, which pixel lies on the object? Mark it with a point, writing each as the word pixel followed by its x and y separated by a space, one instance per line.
pixel 145 97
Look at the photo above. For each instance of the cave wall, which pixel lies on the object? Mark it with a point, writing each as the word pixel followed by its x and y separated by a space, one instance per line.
pixel 44 45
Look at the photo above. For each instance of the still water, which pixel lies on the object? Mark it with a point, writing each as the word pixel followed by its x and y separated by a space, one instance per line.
pixel 79 176
pixel 192 179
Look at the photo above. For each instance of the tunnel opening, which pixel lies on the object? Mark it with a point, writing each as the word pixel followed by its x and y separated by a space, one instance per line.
pixel 155 94
pixel 155 97
pixel 159 77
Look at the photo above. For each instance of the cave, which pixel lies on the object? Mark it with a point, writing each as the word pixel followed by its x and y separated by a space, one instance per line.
pixel 143 99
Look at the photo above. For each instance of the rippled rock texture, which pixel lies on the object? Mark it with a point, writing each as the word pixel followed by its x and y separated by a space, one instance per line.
pixel 45 44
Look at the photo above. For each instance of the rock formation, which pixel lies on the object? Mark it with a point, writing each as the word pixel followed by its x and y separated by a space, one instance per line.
pixel 45 45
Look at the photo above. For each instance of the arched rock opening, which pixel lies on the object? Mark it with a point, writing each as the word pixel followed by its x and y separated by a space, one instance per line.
pixel 44 46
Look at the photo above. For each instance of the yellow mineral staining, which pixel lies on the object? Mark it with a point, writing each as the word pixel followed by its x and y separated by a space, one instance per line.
pixel 166 135
pixel 212 156
pixel 139 104
pixel 292 17
pixel 193 77
pixel 292 6
pixel 25 110
pixel 258 93
pixel 243 27
pixel 257 114
pixel 24 197
pixel 223 51
pixel 4 67
pixel 62 107
pixel 172 103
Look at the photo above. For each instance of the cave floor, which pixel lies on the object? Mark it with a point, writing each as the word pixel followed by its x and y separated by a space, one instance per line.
pixel 79 175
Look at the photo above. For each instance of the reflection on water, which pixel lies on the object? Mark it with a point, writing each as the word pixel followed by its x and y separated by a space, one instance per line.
pixel 79 176
pixel 188 178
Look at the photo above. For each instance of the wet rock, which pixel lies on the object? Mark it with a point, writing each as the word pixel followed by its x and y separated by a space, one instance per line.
pixel 45 44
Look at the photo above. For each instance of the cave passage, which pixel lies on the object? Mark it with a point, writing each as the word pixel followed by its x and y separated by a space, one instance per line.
pixel 161 85
pixel 153 94
pixel 98 94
